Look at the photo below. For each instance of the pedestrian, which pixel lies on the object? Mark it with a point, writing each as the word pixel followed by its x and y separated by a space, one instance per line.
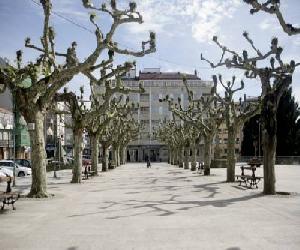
pixel 148 163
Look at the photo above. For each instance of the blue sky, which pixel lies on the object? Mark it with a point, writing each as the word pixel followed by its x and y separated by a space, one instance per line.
pixel 184 30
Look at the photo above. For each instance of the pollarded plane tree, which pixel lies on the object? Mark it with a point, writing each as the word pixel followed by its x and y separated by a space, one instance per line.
pixel 83 118
pixel 107 136
pixel 34 84
pixel 236 114
pixel 166 133
pixel 275 78
pixel 125 130
pixel 105 140
pixel 183 139
pixel 129 132
pixel 273 7
pixel 204 114
pixel 103 89
pixel 182 144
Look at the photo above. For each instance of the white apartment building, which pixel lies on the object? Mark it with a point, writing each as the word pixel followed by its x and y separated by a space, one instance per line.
pixel 157 85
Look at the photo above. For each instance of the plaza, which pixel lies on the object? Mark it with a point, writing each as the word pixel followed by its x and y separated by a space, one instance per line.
pixel 162 207
pixel 149 125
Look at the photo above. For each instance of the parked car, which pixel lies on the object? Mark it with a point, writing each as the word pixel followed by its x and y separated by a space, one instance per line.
pixel 6 172
pixel 23 162
pixel 20 171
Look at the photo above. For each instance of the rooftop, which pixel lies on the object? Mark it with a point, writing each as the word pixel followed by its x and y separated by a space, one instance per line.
pixel 166 76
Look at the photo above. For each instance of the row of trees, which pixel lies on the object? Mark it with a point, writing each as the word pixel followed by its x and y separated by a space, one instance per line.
pixel 200 121
pixel 47 77
pixel 275 77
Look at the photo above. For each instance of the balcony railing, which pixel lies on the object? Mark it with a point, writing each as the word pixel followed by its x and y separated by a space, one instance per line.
pixel 6 143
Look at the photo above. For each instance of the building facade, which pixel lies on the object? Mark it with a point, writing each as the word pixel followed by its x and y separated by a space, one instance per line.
pixel 151 112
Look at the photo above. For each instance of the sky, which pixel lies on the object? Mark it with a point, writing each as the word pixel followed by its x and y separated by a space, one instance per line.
pixel 184 29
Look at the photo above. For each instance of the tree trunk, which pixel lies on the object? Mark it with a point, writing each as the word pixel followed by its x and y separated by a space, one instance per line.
pixel 208 140
pixel 269 130
pixel 175 156
pixel 38 158
pixel 181 157
pixel 171 156
pixel 231 154
pixel 122 155
pixel 113 157
pixel 95 152
pixel 186 157
pixel 118 151
pixel 77 147
pixel 193 161
pixel 105 158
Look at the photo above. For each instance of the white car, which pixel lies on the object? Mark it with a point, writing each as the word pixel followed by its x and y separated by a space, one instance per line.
pixel 6 172
pixel 20 171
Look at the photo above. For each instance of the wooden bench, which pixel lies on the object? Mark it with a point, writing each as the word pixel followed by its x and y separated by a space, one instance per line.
pixel 8 197
pixel 250 179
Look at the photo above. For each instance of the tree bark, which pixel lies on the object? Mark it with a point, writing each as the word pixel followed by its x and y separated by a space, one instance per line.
pixel 171 157
pixel 208 140
pixel 269 130
pixel 38 157
pixel 77 147
pixel 186 157
pixel 95 152
pixel 105 158
pixel 118 158
pixel 114 157
pixel 181 156
pixel 175 156
pixel 231 154
pixel 193 161
pixel 122 155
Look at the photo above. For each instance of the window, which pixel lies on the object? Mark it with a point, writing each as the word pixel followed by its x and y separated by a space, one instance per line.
pixel 5 135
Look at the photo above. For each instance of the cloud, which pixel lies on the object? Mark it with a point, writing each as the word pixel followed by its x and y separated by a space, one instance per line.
pixel 68 8
pixel 269 24
pixel 201 18
pixel 296 41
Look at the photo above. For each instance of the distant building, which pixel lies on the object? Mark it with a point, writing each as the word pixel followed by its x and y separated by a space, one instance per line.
pixel 151 112
pixel 6 134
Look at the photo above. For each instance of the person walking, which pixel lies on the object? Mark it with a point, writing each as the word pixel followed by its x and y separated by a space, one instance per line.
pixel 148 163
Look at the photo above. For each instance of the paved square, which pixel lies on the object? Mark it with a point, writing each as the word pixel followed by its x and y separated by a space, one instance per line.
pixel 163 207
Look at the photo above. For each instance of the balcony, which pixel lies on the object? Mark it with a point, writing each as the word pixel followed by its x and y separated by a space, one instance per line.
pixel 6 143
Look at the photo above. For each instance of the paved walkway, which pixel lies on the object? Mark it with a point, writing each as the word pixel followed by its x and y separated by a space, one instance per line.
pixel 163 208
